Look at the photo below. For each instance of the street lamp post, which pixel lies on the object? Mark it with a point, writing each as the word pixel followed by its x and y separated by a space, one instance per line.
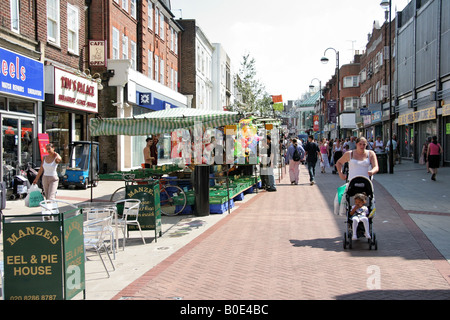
pixel 324 59
pixel 386 5
pixel 311 86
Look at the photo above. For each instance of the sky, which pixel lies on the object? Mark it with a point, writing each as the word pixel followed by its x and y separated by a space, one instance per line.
pixel 287 38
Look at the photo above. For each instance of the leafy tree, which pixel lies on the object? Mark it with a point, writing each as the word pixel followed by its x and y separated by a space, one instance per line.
pixel 253 96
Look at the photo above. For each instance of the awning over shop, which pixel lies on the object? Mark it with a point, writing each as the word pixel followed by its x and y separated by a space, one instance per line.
pixel 163 121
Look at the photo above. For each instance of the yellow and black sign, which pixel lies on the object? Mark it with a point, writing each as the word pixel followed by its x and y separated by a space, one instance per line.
pixel 417 116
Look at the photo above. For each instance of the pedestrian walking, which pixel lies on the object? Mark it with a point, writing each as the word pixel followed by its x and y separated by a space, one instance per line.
pixel 267 162
pixel 424 155
pixel 312 154
pixel 295 154
pixel 50 179
pixel 324 155
pixel 337 153
pixel 434 157
pixel 379 146
pixel 361 162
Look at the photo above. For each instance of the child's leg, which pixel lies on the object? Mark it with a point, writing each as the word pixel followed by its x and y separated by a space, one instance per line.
pixel 355 227
pixel 365 221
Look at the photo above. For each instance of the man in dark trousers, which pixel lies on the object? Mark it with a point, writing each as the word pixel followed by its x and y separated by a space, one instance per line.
pixel 312 154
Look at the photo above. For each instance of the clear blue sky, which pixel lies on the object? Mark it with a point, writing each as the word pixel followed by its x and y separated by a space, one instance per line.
pixel 287 38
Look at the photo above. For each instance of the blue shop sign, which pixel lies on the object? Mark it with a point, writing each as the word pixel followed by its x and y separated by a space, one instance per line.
pixel 21 76
pixel 147 100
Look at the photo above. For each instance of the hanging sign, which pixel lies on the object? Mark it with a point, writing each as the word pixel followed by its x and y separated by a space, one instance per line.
pixel 97 53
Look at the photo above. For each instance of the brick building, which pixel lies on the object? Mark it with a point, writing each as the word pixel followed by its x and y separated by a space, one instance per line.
pixel 141 74
pixel 374 78
pixel 43 40
pixel 196 59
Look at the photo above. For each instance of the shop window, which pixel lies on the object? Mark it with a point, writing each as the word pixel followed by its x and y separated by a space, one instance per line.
pixel 2 103
pixel 21 106
pixel 26 145
pixel 78 127
pixel 56 126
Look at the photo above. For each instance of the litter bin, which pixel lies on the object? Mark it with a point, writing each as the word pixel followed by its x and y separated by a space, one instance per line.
pixel 201 190
pixel 382 162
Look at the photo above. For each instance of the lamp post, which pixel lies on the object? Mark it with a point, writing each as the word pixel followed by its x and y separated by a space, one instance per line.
pixel 386 5
pixel 324 60
pixel 311 86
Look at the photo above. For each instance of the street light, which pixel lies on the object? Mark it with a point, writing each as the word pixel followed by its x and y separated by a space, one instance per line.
pixel 325 60
pixel 311 86
pixel 386 5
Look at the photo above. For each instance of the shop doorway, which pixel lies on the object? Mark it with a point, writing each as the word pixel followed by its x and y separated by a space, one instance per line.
pixel 18 146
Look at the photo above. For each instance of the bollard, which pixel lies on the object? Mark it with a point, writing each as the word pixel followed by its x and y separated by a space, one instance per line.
pixel 201 189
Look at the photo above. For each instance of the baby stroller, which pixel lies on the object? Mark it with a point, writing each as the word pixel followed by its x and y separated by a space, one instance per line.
pixel 359 184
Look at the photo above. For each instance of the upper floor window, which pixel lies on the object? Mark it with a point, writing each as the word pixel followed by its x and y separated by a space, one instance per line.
pixel 351 103
pixel 150 64
pixel 53 22
pixel 133 8
pixel 351 81
pixel 124 47
pixel 15 15
pixel 133 55
pixel 156 20
pixel 125 5
pixel 161 25
pixel 115 43
pixel 150 16
pixel 73 26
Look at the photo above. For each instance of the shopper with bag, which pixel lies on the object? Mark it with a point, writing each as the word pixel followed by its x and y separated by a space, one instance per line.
pixel 50 179
pixel 34 196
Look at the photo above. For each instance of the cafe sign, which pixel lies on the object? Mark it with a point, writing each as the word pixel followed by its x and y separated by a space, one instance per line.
pixel 417 116
pixel 75 92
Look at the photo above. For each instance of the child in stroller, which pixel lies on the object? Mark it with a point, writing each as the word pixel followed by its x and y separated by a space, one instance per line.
pixel 361 189
pixel 359 213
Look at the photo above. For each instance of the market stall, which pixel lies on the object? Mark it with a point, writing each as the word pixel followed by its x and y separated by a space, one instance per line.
pixel 164 121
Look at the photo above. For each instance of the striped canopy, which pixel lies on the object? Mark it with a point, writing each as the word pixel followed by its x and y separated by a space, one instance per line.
pixel 163 121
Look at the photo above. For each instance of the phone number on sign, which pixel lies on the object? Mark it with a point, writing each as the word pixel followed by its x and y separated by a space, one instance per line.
pixel 34 297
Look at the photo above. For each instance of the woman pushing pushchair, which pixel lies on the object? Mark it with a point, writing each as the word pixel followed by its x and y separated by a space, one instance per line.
pixel 362 165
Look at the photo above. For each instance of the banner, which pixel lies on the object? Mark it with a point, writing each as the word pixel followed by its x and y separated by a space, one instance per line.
pixel 316 123
pixel 331 111
pixel 278 103
pixel 43 141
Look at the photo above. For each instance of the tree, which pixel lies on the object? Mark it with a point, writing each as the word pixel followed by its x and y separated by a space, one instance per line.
pixel 253 96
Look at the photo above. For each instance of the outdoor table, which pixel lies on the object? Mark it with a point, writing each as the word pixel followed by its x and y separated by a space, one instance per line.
pixel 111 206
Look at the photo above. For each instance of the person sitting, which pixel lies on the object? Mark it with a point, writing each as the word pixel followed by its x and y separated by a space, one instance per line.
pixel 359 214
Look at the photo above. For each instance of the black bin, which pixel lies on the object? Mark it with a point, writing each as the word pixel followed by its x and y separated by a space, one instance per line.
pixel 201 190
pixel 382 162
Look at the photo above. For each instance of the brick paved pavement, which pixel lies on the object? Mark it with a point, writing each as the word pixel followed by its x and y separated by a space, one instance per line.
pixel 288 245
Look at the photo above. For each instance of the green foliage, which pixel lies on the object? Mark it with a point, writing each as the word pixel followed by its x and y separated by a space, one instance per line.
pixel 252 97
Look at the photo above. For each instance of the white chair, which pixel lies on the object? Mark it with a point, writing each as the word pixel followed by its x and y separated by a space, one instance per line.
pixel 51 207
pixel 130 216
pixel 99 213
pixel 95 232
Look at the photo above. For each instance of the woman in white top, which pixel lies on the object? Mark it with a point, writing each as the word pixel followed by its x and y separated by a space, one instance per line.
pixel 378 145
pixel 48 172
pixel 361 162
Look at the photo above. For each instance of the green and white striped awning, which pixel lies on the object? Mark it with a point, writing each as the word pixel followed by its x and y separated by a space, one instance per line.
pixel 163 121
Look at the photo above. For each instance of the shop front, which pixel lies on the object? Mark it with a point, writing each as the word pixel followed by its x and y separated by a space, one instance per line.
pixel 21 91
pixel 137 95
pixel 414 128
pixel 70 100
